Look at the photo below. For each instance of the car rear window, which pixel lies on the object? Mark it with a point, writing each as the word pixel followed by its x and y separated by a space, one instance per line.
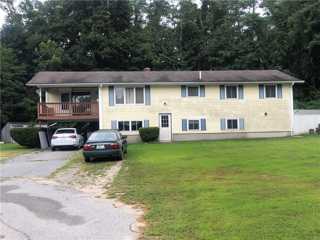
pixel 65 131
pixel 102 136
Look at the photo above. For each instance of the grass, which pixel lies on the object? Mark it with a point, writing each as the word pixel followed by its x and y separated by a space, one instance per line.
pixel 96 168
pixel 226 190
pixel 11 150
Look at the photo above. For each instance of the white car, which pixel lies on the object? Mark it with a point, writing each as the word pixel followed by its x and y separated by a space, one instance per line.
pixel 66 137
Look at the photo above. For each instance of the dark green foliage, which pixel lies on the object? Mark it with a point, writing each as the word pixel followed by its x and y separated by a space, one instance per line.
pixel 149 134
pixel 312 104
pixel 27 137
pixel 160 34
pixel 14 106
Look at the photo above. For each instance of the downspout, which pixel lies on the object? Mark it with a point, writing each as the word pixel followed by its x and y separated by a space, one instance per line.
pixel 291 110
pixel 200 75
pixel 100 102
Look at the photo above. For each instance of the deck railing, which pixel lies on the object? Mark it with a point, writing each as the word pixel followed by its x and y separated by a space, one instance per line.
pixel 68 111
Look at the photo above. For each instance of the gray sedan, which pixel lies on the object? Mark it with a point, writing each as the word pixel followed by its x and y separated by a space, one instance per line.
pixel 105 143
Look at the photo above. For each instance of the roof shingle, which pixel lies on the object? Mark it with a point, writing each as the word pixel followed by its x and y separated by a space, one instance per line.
pixel 159 77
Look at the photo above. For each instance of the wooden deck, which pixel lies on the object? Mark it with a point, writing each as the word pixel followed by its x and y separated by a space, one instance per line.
pixel 68 111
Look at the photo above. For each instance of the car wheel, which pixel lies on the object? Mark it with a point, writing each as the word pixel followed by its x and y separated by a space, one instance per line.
pixel 53 149
pixel 120 156
pixel 87 159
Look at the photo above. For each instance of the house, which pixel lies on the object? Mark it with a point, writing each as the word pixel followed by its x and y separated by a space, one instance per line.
pixel 185 105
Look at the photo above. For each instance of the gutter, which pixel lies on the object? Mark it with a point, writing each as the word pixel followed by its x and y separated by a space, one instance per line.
pixel 151 83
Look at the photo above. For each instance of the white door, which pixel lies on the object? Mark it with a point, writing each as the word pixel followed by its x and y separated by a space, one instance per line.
pixel 165 127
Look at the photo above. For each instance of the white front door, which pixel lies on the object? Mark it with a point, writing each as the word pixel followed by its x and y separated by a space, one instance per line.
pixel 165 127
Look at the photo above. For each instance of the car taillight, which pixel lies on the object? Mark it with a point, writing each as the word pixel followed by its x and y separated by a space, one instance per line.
pixel 115 146
pixel 87 147
pixel 73 136
pixel 54 137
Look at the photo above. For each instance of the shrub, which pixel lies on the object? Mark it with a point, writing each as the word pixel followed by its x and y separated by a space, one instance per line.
pixel 149 134
pixel 27 137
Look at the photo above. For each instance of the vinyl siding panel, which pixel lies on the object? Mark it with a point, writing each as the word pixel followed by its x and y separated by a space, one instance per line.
pixel 168 99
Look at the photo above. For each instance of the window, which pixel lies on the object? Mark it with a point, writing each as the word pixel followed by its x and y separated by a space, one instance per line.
pixel 119 92
pixel 193 91
pixel 232 124
pixel 129 125
pixel 66 130
pixel 164 121
pixel 231 91
pixel 194 124
pixel 102 136
pixel 139 95
pixel 129 95
pixel 135 125
pixel 270 91
pixel 124 125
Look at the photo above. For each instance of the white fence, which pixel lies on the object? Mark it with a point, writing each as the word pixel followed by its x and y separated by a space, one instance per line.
pixel 305 120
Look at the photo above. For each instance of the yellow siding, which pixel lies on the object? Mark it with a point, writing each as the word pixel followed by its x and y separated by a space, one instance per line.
pixel 53 95
pixel 167 99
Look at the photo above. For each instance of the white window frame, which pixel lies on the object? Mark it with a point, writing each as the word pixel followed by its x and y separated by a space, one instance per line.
pixel 134 96
pixel 142 125
pixel 161 125
pixel 195 119
pixel 232 129
pixel 115 95
pixel 265 91
pixel 225 92
pixel 130 125
pixel 124 121
pixel 187 90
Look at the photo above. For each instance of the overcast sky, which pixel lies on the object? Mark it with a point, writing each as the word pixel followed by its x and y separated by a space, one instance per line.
pixel 2 17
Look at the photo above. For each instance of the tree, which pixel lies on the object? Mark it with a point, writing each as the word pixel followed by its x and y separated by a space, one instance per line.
pixel 49 56
pixel 83 35
pixel 14 107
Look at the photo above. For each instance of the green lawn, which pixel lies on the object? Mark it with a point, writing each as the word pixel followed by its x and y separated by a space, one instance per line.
pixel 232 189
pixel 11 150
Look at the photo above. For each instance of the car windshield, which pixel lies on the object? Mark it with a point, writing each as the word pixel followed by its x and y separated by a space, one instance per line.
pixel 102 136
pixel 61 131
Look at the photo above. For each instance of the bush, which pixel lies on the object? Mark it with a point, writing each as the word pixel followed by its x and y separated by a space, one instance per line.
pixel 149 134
pixel 27 137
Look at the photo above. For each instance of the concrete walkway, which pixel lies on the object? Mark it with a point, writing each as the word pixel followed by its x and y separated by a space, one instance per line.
pixel 31 207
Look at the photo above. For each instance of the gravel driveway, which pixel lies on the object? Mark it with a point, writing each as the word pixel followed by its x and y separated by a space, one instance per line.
pixel 34 208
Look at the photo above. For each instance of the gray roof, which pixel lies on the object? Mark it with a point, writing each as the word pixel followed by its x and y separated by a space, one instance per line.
pixel 159 77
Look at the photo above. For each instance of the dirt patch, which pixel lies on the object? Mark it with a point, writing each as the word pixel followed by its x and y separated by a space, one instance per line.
pixel 93 184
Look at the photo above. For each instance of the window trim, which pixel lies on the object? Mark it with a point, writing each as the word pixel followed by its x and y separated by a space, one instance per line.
pixel 187 90
pixel 265 91
pixel 195 119
pixel 130 125
pixel 161 125
pixel 225 91
pixel 115 96
pixel 125 94
pixel 238 124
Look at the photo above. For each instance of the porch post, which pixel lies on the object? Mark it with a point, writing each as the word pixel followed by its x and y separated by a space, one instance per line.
pixel 40 94
pixel 100 102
